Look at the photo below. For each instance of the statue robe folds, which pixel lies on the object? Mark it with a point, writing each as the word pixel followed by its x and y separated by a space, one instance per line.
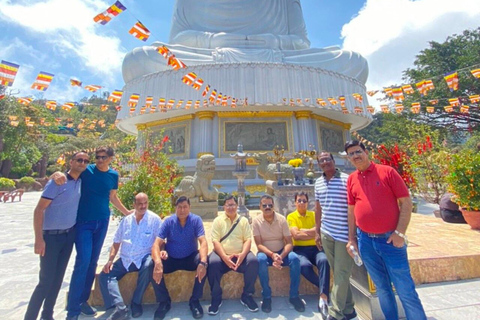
pixel 236 31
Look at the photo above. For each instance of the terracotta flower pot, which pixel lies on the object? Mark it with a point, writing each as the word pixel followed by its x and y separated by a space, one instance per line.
pixel 472 218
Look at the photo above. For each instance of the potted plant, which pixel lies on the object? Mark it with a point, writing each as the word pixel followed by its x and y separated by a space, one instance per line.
pixel 464 183
pixel 298 170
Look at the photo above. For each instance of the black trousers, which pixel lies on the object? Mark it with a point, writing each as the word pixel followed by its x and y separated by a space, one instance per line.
pixel 452 216
pixel 58 248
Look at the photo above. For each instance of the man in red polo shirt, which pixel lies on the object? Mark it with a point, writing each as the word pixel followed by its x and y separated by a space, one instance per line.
pixel 379 210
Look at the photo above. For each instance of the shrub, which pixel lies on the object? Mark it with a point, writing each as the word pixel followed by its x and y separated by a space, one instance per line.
pixel 7 184
pixel 464 179
pixel 27 180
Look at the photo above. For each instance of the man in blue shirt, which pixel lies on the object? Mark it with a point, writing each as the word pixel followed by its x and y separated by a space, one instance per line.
pixel 180 234
pixel 99 188
pixel 134 238
pixel 54 224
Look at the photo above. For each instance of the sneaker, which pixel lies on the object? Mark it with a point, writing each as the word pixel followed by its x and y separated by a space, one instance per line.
pixel 213 308
pixel 248 302
pixel 323 308
pixel 72 318
pixel 351 316
pixel 297 303
pixel 196 308
pixel 119 314
pixel 162 310
pixel 87 310
pixel 137 309
pixel 267 305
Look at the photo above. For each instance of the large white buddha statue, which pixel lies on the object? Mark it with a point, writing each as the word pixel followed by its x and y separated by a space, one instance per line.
pixel 229 31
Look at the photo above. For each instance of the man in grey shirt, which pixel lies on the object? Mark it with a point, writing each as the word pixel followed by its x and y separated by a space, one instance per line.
pixel 54 224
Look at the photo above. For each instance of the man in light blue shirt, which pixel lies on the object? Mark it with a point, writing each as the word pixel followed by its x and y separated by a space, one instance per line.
pixel 134 238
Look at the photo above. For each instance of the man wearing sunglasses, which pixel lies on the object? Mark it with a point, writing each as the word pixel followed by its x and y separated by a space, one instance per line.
pixel 379 211
pixel 99 188
pixel 302 228
pixel 274 244
pixel 54 224
pixel 332 234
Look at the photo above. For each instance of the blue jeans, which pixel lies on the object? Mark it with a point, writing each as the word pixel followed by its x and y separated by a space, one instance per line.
pixel 310 255
pixel 88 244
pixel 291 260
pixel 109 281
pixel 387 264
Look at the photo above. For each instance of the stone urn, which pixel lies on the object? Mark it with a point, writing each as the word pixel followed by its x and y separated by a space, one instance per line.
pixel 299 173
pixel 472 218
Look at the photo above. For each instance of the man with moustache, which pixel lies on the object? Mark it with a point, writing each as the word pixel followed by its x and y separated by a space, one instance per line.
pixel 134 238
pixel 332 234
pixel 176 248
pixel 274 244
pixel 232 239
pixel 54 221
pixel 379 211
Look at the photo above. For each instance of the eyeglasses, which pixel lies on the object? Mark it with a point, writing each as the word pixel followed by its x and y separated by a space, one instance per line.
pixel 302 201
pixel 231 205
pixel 101 157
pixel 269 205
pixel 325 160
pixel 356 152
pixel 86 161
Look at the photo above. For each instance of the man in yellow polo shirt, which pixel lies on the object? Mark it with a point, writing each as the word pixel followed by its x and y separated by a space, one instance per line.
pixel 232 239
pixel 302 228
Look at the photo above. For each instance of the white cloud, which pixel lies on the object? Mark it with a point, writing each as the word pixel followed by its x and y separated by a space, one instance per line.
pixel 69 27
pixel 390 33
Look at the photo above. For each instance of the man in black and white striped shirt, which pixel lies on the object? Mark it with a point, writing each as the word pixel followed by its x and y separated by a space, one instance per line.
pixel 331 225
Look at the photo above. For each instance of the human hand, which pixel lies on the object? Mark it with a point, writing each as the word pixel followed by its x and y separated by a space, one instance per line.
pixel 163 255
pixel 318 241
pixel 229 260
pixel 158 273
pixel 39 247
pixel 59 178
pixel 108 266
pixel 396 240
pixel 201 272
pixel 239 261
pixel 355 245
pixel 266 40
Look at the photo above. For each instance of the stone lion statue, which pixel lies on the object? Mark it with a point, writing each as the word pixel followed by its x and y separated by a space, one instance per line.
pixel 198 187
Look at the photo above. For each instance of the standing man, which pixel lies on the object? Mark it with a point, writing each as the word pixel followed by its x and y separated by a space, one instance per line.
pixel 54 221
pixel 302 228
pixel 134 237
pixel 99 188
pixel 176 248
pixel 379 211
pixel 274 244
pixel 332 233
pixel 232 239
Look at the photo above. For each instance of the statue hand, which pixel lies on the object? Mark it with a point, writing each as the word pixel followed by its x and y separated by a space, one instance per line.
pixel 223 39
pixel 266 40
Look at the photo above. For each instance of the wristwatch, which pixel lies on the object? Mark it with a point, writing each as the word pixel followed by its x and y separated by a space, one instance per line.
pixel 203 264
pixel 401 235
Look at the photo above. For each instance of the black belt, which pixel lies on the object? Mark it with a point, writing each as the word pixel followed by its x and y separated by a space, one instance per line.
pixel 378 235
pixel 57 231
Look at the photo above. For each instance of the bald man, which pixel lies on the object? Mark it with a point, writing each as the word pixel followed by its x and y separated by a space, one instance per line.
pixel 134 238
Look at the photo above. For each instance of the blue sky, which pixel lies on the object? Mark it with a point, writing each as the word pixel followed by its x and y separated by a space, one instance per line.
pixel 60 37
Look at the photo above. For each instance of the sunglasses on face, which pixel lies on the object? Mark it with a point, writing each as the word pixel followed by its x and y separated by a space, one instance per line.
pixel 326 160
pixel 302 201
pixel 267 205
pixel 356 152
pixel 101 157
pixel 86 161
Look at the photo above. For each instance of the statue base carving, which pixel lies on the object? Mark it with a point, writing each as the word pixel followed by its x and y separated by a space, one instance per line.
pixel 206 210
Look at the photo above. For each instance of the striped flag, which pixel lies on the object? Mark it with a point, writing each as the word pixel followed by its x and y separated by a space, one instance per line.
pixel 358 110
pixel 189 78
pixel 448 108
pixel 115 96
pixel 75 83
pixel 197 104
pixel 104 107
pixel 234 103
pixel 321 102
pixel 370 109
pixel 68 106
pixel 148 101
pixel 139 31
pixel 476 73
pixel 342 100
pixel 464 109
pixel 415 108
pixel 164 52
pixel 206 90
pixel 51 105
pixel 388 91
pixel 430 109
pixel 179 104
pixel 118 108
pixel 43 81
pixel 358 97
pixel 407 89
pixel 161 103
pixel 143 109
pixel 132 102
pixel 176 63
pixel 170 103
pixel 8 71
pixel 398 94
pixel 198 84
pixel 153 108
pixel 452 81
pixel 205 103
pixel 213 96
pixel 474 98
pixel 454 102
pixel 434 101
pixel 112 11
pixel 25 101
pixel 385 108
pixel 371 93
pixel 188 104
pixel 332 101
pixel 92 87
pixel 399 108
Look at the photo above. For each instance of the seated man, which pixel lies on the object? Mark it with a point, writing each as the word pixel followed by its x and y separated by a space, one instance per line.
pixel 449 210
pixel 232 239
pixel 302 227
pixel 134 237
pixel 274 243
pixel 176 248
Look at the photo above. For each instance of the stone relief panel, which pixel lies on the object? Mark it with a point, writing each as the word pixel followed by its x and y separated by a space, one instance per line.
pixel 179 139
pixel 331 139
pixel 255 135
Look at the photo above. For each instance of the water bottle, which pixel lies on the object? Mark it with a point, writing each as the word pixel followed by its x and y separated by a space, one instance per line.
pixel 356 256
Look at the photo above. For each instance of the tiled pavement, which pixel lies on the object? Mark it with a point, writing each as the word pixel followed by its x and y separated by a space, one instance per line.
pixel 19 275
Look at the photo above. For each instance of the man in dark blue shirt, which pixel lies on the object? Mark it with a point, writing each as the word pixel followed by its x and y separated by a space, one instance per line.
pixel 180 234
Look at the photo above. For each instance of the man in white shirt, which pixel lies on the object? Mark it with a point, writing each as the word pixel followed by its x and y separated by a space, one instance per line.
pixel 134 237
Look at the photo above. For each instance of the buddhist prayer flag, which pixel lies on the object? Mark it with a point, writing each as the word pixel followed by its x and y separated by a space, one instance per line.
pixel 115 96
pixel 398 94
pixel 188 104
pixel 8 71
pixel 161 102
pixel 342 100
pixel 321 102
pixel 51 105
pixel 142 110
pixel 332 101
pixel 25 101
pixel 358 109
pixel 132 102
pixel 407 89
pixel 189 78
pixel 476 73
pixel 205 92
pixel 75 83
pixel 118 108
pixel 176 63
pixel 388 91
pixel 474 98
pixel 148 101
pixel 448 108
pixel 399 108
pixel 197 104
pixel 225 101
pixel 234 103
pixel 434 101
pixel 104 107
pixel 370 109
pixel 385 108
pixel 153 108
pixel 454 102
pixel 170 103
pixel 68 106
pixel 92 87
pixel 464 109
pixel 113 11
pixel 139 31
pixel 164 52
pixel 198 84
pixel 422 88
pixel 179 104
pixel 213 96
pixel 132 109
pixel 357 97
pixel 452 80
pixel 371 93
pixel 43 81
pixel 415 108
